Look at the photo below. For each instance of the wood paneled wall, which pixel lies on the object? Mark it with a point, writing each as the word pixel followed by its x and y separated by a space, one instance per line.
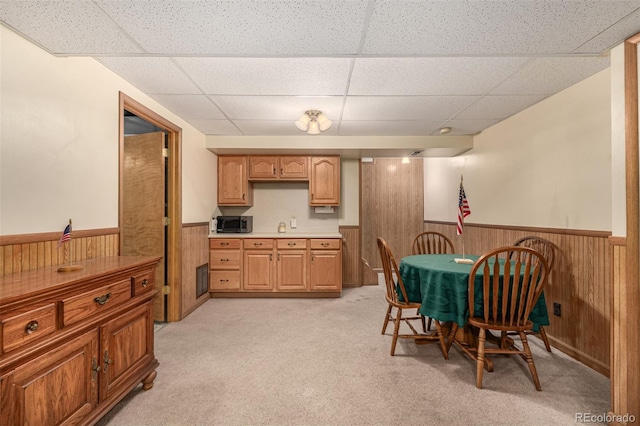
pixel 391 207
pixel 195 252
pixel 351 265
pixel 580 282
pixel 25 252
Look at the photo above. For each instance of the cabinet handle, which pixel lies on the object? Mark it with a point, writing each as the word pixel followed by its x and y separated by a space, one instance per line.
pixel 242 197
pixel 278 257
pixel 102 299
pixel 313 256
pixel 270 257
pixel 324 244
pixel 224 281
pixel 280 170
pixel 291 244
pixel 312 195
pixel 95 368
pixel 107 361
pixel 31 327
pixel 274 170
pixel 145 282
pixel 224 244
pixel 257 244
pixel 224 260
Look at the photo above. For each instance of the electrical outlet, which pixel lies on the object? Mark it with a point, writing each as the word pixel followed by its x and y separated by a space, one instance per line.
pixel 293 224
pixel 557 309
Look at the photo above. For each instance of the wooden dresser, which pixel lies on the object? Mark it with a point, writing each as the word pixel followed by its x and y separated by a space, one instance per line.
pixel 73 344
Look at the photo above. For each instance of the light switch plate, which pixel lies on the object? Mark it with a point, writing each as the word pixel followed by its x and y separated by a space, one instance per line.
pixel 293 224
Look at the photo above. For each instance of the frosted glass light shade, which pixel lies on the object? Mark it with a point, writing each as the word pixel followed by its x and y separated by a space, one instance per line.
pixel 303 123
pixel 313 128
pixel 323 122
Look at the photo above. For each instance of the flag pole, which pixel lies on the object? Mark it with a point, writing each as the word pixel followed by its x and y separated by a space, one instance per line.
pixel 462 205
pixel 71 247
pixel 70 267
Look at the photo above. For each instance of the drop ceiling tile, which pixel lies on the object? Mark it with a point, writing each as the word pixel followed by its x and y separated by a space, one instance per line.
pixel 215 127
pixel 613 35
pixel 430 76
pixel 388 128
pixel 190 106
pixel 467 127
pixel 498 107
pixel 262 76
pixel 545 76
pixel 405 107
pixel 152 75
pixel 67 27
pixel 277 107
pixel 242 27
pixel 276 127
pixel 488 27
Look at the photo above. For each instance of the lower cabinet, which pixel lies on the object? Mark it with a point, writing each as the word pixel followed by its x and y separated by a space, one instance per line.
pixel 291 266
pixel 73 372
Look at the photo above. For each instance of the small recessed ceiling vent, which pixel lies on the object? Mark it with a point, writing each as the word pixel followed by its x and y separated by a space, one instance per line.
pixel 414 153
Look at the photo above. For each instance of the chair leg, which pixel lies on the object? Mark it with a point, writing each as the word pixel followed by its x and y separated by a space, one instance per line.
pixel 428 324
pixel 529 359
pixel 480 361
pixel 386 319
pixel 452 335
pixel 422 320
pixel 396 329
pixel 543 334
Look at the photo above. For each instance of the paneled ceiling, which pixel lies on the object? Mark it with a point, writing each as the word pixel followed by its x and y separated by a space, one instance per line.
pixel 374 67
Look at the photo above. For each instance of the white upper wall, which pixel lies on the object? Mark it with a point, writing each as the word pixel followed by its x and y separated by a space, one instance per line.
pixel 59 143
pixel 548 166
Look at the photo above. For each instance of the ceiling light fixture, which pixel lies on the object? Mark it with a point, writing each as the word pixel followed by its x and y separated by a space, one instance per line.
pixel 445 130
pixel 313 122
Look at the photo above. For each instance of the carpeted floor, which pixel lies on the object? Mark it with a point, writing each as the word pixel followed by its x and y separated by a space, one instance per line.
pixel 324 362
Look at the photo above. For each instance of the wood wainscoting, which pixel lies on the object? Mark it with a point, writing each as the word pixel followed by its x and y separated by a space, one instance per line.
pixel 195 252
pixel 580 282
pixel 351 265
pixel 26 252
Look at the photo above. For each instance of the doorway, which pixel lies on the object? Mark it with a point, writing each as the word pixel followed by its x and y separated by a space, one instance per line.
pixel 167 304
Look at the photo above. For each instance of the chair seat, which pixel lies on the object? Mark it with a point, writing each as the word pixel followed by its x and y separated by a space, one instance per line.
pixel 491 325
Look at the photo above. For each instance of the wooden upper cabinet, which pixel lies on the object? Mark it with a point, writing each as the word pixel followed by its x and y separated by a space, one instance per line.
pixel 234 188
pixel 324 183
pixel 288 167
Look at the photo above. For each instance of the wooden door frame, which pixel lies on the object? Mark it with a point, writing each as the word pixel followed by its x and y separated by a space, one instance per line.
pixel 174 193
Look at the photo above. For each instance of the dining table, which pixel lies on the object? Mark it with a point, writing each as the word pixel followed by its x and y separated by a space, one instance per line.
pixel 441 286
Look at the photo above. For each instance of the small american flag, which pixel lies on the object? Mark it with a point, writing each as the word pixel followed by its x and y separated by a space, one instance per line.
pixel 66 235
pixel 463 209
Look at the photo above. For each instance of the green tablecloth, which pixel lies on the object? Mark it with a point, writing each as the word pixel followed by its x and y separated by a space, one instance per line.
pixel 441 285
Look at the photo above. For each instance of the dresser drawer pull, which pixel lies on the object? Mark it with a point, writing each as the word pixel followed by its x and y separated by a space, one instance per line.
pixel 31 327
pixel 324 244
pixel 145 282
pixel 257 244
pixel 224 281
pixel 224 260
pixel 102 299
pixel 291 244
pixel 224 244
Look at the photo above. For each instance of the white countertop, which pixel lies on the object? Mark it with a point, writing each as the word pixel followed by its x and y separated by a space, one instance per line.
pixel 288 234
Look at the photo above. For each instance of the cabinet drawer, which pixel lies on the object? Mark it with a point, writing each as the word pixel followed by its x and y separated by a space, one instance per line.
pixel 328 244
pixel 22 327
pixel 142 284
pixel 258 243
pixel 224 243
pixel 224 259
pixel 224 280
pixel 290 243
pixel 84 305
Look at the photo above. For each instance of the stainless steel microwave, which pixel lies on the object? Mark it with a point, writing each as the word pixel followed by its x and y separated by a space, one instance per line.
pixel 234 224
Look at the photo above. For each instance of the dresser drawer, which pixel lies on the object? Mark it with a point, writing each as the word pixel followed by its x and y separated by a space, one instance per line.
pixel 258 243
pixel 20 328
pixel 84 305
pixel 224 280
pixel 142 284
pixel 325 244
pixel 224 243
pixel 224 259
pixel 291 243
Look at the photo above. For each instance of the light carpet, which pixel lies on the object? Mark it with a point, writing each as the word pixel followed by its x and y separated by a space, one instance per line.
pixel 324 362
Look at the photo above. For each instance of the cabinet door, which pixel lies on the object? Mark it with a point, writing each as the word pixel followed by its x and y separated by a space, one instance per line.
pixel 233 184
pixel 292 270
pixel 326 270
pixel 294 168
pixel 263 167
pixel 258 270
pixel 324 184
pixel 127 346
pixel 59 386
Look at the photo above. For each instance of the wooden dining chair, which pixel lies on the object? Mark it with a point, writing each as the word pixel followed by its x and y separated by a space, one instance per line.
pixel 431 242
pixel 505 302
pixel 396 296
pixel 548 251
